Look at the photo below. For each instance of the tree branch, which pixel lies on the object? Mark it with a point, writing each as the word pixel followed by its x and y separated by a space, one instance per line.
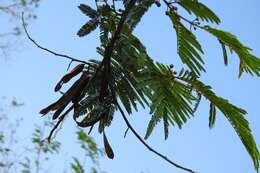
pixel 110 48
pixel 58 123
pixel 148 146
pixel 48 50
pixel 169 5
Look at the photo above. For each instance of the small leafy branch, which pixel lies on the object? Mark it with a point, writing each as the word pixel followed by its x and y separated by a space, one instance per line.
pixel 127 76
pixel 36 156
pixel 10 10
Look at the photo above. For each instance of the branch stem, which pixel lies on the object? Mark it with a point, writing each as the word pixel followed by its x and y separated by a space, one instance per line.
pixel 48 50
pixel 58 123
pixel 148 146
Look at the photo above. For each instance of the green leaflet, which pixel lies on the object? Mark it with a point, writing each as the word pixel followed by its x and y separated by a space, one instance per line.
pixel 124 68
pixel 189 48
pixel 88 27
pixel 77 166
pixel 137 13
pixel 225 56
pixel 103 18
pixel 235 115
pixel 127 80
pixel 156 117
pixel 200 10
pixel 88 11
pixel 170 99
pixel 248 62
pixel 104 32
pixel 212 115
pixel 165 125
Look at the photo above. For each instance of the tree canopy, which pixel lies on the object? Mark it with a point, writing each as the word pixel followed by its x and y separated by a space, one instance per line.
pixel 127 76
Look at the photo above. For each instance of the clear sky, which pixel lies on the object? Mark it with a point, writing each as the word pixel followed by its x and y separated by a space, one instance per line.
pixel 31 74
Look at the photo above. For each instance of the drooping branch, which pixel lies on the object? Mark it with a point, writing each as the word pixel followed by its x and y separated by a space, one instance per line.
pixel 148 146
pixel 58 123
pixel 48 50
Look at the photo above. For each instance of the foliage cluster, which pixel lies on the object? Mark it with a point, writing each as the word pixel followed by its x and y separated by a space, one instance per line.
pixel 128 76
pixel 37 155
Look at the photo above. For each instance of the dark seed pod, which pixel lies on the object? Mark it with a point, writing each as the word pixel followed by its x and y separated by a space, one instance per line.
pixel 76 108
pixel 47 109
pixel 108 149
pixel 74 91
pixel 58 112
pixel 66 78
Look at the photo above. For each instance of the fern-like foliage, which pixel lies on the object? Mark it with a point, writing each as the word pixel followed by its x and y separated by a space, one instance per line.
pixel 129 74
pixel 88 27
pixel 235 115
pixel 189 48
pixel 200 10
pixel 137 12
pixel 248 62
pixel 88 11
pixel 169 98
pixel 76 166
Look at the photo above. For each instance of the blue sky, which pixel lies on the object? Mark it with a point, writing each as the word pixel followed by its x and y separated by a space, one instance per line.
pixel 31 74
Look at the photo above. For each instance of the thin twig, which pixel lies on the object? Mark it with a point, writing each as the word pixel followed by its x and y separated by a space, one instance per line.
pixel 169 5
pixel 90 130
pixel 126 132
pixel 148 146
pixel 58 123
pixel 48 50
pixel 69 65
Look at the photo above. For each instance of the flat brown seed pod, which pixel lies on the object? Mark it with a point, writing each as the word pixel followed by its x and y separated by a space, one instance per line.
pixel 74 91
pixel 66 78
pixel 108 149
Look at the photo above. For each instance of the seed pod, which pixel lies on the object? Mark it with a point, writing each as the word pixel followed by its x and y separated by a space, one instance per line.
pixel 47 109
pixel 75 90
pixel 66 78
pixel 76 107
pixel 108 149
pixel 58 112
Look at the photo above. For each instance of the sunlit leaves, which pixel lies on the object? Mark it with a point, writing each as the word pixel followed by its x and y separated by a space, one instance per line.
pixel 224 50
pixel 135 79
pixel 189 49
pixel 200 10
pixel 169 98
pixel 235 115
pixel 248 62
